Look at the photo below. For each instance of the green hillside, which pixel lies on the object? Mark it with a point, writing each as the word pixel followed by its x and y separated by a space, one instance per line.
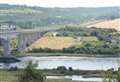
pixel 27 17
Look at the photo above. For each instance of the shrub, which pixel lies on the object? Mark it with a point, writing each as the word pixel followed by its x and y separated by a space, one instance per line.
pixel 30 74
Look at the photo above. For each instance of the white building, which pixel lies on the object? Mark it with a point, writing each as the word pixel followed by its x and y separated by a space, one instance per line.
pixel 7 26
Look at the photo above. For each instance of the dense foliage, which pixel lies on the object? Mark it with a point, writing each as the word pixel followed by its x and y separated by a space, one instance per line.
pixel 104 41
pixel 101 33
pixel 86 49
pixel 30 74
pixel 112 76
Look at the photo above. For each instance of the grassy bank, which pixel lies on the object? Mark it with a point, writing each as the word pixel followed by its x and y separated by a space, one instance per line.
pixel 12 76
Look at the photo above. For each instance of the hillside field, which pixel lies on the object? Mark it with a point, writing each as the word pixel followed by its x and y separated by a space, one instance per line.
pixel 108 24
pixel 60 42
pixel 53 42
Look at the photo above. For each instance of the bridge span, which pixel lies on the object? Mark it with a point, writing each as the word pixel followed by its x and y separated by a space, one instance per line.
pixel 25 37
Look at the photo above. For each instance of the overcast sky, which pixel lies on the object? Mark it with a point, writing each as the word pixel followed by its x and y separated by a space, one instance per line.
pixel 64 3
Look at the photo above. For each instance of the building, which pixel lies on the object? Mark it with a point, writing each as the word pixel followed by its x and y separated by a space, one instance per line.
pixel 7 26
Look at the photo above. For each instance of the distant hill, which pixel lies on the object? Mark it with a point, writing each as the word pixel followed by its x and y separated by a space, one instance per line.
pixel 28 17
pixel 107 24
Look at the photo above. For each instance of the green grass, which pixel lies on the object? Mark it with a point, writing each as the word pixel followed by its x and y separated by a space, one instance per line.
pixel 12 76
pixel 8 76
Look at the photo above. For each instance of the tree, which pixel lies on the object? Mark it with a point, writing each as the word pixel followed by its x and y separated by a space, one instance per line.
pixel 62 69
pixel 118 75
pixel 111 77
pixel 30 74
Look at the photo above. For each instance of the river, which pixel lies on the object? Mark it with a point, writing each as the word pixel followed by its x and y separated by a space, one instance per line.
pixel 82 63
pixel 76 78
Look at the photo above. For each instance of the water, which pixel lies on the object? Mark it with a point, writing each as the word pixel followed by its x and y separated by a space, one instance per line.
pixel 76 78
pixel 82 63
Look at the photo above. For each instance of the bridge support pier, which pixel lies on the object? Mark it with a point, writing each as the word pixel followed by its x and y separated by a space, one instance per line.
pixel 6 46
pixel 24 40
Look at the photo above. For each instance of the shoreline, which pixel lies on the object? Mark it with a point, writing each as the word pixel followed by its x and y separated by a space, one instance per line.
pixel 68 55
pixel 61 76
pixel 74 72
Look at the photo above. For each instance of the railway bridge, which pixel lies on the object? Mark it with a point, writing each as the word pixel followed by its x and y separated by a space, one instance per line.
pixel 26 37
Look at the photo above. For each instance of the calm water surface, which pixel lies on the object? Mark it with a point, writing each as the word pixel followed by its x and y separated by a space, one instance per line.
pixel 83 63
pixel 76 78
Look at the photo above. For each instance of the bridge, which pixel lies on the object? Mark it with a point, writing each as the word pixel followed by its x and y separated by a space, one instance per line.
pixel 26 37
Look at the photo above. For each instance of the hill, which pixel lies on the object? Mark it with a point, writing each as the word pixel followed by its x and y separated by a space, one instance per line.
pixel 28 17
pixel 107 24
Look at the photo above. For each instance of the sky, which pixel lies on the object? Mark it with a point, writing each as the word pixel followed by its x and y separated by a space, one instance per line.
pixel 64 3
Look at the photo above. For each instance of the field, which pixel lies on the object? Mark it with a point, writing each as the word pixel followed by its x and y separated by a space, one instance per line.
pixel 60 42
pixel 107 24
pixel 54 42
